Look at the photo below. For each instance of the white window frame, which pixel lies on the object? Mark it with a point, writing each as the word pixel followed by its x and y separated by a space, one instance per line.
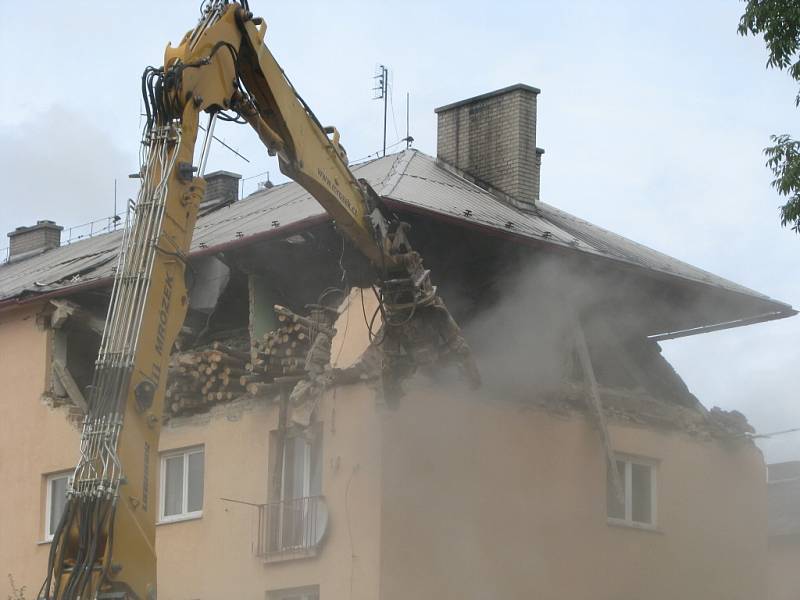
pixel 48 503
pixel 185 514
pixel 627 479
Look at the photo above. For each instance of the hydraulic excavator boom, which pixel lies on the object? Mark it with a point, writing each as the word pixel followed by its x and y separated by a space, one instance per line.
pixel 104 546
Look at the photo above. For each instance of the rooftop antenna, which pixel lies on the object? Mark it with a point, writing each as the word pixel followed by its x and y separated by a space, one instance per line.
pixel 266 184
pixel 380 92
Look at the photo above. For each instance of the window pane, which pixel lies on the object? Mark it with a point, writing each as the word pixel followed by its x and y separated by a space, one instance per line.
pixel 173 486
pixel 315 483
pixel 195 500
pixel 616 506
pixel 294 468
pixel 302 468
pixel 287 484
pixel 58 498
pixel 642 494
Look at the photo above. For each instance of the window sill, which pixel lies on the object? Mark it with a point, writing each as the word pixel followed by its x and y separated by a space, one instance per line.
pixel 180 519
pixel 44 542
pixel 287 555
pixel 632 525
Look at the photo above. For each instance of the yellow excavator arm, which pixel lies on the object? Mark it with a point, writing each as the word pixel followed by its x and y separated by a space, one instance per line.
pixel 104 546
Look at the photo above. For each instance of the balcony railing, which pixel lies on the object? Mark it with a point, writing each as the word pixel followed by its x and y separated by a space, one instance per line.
pixel 291 527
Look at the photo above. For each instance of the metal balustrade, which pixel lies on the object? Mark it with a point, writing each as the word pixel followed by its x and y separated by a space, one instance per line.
pixel 294 526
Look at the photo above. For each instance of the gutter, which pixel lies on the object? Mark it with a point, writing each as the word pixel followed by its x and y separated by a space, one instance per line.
pixel 770 316
pixel 11 303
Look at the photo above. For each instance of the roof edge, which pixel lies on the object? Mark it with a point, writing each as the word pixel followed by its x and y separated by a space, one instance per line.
pixel 788 310
pixel 19 300
pixel 762 318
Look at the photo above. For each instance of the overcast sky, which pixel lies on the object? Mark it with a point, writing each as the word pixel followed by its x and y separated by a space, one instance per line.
pixel 653 117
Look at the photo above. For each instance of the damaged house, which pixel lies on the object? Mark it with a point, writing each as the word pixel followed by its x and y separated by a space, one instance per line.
pixel 582 468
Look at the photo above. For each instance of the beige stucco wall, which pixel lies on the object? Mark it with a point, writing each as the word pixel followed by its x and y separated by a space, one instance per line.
pixel 34 440
pixel 485 499
pixel 213 558
pixel 784 574
pixel 446 496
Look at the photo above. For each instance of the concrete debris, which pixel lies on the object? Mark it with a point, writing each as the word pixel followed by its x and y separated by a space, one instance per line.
pixel 639 408
pixel 730 420
pixel 64 310
pixel 319 373
pixel 73 413
pixel 430 339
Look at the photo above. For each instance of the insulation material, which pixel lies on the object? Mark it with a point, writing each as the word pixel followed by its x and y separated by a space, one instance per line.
pixel 208 277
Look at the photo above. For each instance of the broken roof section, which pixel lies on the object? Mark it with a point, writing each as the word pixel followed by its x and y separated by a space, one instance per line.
pixel 413 182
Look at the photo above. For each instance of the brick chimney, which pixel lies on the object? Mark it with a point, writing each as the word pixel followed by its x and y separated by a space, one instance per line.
pixel 27 241
pixel 492 139
pixel 222 189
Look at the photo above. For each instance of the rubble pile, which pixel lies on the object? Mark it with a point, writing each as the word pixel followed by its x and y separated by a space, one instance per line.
pixel 638 407
pixel 730 421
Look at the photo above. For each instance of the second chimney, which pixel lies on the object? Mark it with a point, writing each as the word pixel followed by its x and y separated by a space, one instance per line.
pixel 27 241
pixel 222 189
pixel 492 138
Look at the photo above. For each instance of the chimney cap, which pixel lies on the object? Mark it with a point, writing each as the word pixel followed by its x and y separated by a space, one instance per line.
pixel 44 223
pixel 216 174
pixel 500 92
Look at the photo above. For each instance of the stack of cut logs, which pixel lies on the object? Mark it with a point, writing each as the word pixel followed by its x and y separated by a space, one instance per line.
pixel 225 371
pixel 282 352
pixel 205 376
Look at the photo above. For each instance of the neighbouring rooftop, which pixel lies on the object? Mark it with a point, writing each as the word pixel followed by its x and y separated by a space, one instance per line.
pixel 784 498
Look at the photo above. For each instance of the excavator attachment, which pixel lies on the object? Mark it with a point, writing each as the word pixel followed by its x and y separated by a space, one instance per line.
pixel 104 546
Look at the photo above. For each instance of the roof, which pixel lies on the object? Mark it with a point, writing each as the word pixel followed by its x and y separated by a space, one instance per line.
pixel 784 507
pixel 783 471
pixel 410 181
